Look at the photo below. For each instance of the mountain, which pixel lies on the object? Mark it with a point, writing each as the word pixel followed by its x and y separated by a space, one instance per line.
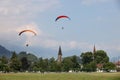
pixel 5 52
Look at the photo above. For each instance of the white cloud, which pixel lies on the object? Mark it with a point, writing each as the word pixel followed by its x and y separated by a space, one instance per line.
pixel 16 7
pixel 73 44
pixel 16 15
pixel 67 45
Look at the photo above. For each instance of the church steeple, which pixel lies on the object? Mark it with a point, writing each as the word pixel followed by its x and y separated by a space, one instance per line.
pixel 60 51
pixel 94 50
pixel 59 54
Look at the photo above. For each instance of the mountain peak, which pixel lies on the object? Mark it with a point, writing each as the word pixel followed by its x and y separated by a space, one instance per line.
pixel 4 52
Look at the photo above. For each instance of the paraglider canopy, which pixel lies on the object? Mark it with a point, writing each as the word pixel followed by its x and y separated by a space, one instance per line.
pixel 31 31
pixel 62 16
pixel 27 31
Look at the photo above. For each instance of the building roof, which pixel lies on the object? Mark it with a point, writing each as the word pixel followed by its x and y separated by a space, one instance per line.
pixel 99 65
pixel 117 63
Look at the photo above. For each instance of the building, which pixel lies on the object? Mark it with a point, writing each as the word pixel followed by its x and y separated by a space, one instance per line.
pixel 94 50
pixel 59 55
pixel 99 67
pixel 117 64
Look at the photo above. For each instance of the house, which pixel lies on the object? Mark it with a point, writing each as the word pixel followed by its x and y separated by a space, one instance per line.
pixel 117 64
pixel 99 67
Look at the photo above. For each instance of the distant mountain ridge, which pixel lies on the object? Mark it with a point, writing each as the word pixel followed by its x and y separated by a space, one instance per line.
pixel 5 52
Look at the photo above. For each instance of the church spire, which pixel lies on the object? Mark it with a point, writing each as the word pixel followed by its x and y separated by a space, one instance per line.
pixel 60 51
pixel 94 50
pixel 59 54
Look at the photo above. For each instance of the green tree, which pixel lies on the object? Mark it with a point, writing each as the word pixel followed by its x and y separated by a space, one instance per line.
pixel 75 62
pixel 86 57
pixel 52 64
pixel 90 67
pixel 4 64
pixel 45 65
pixel 58 67
pixel 34 67
pixel 31 57
pixel 4 68
pixel 24 64
pixel 4 60
pixel 15 63
pixel 40 64
pixel 109 66
pixel 67 64
pixel 101 57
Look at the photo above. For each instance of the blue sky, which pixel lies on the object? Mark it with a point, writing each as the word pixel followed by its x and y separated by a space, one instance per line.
pixel 93 22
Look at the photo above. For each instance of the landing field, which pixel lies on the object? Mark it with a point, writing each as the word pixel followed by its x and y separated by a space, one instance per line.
pixel 60 76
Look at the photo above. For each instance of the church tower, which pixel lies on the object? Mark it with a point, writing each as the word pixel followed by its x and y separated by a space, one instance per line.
pixel 59 54
pixel 94 50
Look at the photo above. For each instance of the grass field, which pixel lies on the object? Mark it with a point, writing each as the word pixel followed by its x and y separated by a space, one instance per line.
pixel 60 76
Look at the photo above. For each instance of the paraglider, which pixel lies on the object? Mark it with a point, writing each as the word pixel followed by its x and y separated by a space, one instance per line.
pixel 60 17
pixel 31 31
pixel 27 31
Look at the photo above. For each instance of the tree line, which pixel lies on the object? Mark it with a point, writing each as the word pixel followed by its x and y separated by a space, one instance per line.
pixel 87 61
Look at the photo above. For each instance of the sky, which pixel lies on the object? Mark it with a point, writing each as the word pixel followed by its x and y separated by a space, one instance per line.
pixel 93 22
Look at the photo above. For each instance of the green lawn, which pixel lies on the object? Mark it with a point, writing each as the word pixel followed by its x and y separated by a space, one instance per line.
pixel 60 76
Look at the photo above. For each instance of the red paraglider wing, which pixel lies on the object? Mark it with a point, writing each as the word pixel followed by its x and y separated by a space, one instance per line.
pixel 62 16
pixel 27 31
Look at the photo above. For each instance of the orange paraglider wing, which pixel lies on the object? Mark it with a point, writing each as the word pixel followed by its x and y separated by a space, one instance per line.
pixel 27 31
